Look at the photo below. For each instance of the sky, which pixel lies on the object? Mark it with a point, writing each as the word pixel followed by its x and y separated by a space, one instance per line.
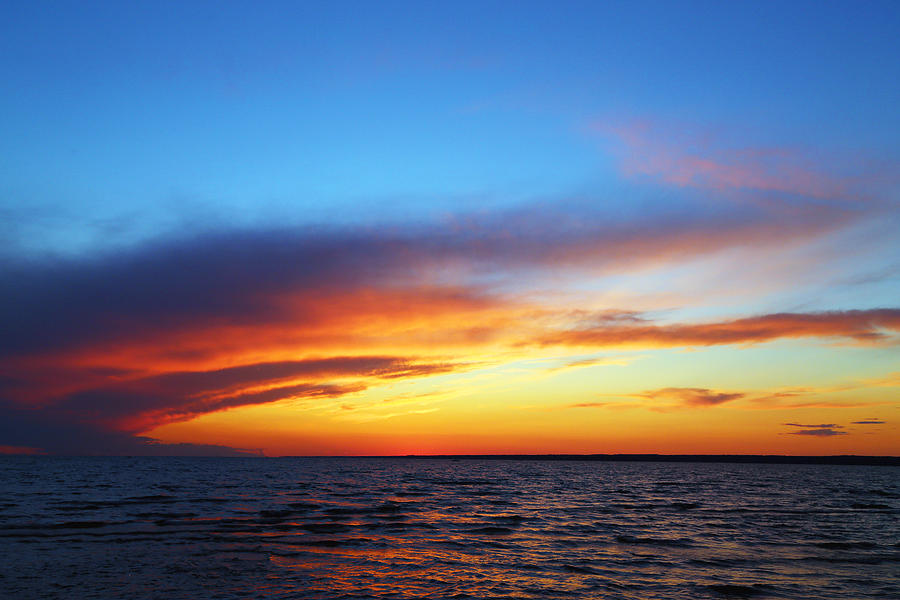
pixel 364 228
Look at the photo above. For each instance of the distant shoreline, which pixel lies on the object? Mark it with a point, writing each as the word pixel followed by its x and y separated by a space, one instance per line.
pixel 775 459
pixel 701 458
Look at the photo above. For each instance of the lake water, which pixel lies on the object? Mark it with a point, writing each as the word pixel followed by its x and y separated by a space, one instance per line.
pixel 142 528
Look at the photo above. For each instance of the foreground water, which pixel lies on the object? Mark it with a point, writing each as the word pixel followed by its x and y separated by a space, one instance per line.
pixel 403 528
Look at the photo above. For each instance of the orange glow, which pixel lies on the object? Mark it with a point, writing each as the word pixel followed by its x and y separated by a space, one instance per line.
pixel 444 370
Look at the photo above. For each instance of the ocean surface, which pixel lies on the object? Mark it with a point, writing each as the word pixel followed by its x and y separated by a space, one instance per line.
pixel 142 528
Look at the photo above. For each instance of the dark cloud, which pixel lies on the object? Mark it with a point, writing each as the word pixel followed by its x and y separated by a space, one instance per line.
pixel 143 403
pixel 174 284
pixel 869 422
pixel 191 383
pixel 104 420
pixel 55 434
pixel 136 411
pixel 237 277
pixel 818 432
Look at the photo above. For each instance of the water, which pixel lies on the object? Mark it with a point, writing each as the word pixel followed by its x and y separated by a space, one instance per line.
pixel 142 528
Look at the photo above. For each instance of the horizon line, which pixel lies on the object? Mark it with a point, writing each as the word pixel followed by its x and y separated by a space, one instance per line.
pixel 837 459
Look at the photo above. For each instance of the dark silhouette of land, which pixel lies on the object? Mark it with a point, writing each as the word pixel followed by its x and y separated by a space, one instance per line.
pixel 775 459
pixel 700 458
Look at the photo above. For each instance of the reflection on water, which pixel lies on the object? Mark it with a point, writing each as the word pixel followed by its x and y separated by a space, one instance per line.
pixel 400 528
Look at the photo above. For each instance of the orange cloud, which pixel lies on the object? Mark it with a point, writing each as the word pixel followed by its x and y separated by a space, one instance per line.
pixel 863 326
pixel 300 325
pixel 206 298
pixel 144 403
pixel 187 327
pixel 664 399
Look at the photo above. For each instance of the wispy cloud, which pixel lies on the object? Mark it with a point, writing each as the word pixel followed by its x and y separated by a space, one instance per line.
pixel 672 398
pixel 691 397
pixel 370 416
pixel 820 430
pixel 581 363
pixel 825 432
pixel 686 156
pixel 117 411
pixel 861 326
pixel 588 405
pixel 142 404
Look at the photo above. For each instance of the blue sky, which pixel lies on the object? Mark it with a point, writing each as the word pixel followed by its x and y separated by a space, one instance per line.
pixel 137 112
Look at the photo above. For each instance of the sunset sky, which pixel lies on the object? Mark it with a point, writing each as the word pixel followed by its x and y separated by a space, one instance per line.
pixel 343 228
